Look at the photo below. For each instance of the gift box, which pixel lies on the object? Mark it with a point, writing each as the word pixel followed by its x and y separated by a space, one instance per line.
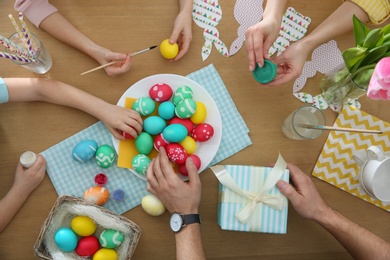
pixel 249 200
pixel 61 215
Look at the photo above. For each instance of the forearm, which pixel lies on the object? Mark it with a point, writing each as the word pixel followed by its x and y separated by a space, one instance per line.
pixel 60 28
pixel 359 242
pixel 10 205
pixel 275 9
pixel 189 243
pixel 338 23
pixel 186 6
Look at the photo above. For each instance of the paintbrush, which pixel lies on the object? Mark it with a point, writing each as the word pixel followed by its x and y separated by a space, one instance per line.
pixel 116 61
pixel 331 128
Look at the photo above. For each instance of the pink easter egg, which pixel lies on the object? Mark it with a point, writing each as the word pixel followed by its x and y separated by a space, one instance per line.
pixel 195 159
pixel 176 153
pixel 160 141
pixel 183 121
pixel 160 92
pixel 202 132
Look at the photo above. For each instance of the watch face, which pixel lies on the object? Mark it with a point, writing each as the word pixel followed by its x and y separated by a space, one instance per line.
pixel 176 222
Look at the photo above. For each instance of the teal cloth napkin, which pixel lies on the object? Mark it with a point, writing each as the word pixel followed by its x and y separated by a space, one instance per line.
pixel 73 178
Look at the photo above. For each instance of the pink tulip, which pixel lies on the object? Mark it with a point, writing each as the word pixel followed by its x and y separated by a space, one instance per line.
pixel 379 87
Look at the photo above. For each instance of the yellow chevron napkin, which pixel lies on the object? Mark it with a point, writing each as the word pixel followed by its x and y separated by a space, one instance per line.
pixel 335 164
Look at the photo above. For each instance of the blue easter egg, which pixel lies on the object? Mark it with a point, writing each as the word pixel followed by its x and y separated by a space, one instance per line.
pixel 84 150
pixel 154 125
pixel 66 239
pixel 175 133
pixel 166 110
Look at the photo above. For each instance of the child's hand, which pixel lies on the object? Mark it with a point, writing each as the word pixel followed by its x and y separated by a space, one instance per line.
pixel 182 33
pixel 26 180
pixel 119 118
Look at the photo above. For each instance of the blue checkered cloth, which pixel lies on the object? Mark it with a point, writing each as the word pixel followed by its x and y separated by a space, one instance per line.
pixel 73 178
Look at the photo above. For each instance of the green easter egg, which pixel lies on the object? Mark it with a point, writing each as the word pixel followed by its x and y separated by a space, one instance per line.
pixel 144 143
pixel 110 238
pixel 182 93
pixel 140 163
pixel 105 156
pixel 144 106
pixel 186 108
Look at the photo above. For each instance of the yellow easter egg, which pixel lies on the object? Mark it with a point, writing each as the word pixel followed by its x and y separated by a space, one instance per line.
pixel 200 114
pixel 105 254
pixel 83 226
pixel 152 205
pixel 188 144
pixel 168 50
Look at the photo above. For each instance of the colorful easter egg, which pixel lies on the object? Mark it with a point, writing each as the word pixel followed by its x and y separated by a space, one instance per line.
pixel 186 108
pixel 105 254
pixel 140 163
pixel 182 93
pixel 97 195
pixel 200 114
pixel 188 144
pixel 84 150
pixel 152 205
pixel 183 121
pixel 175 133
pixel 160 141
pixel 202 132
pixel 195 159
pixel 83 226
pixel 144 106
pixel 160 92
pixel 169 50
pixel 65 239
pixel 144 143
pixel 166 110
pixel 111 238
pixel 105 156
pixel 154 125
pixel 176 153
pixel 87 246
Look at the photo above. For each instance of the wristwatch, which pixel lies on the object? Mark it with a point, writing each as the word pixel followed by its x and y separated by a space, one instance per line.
pixel 178 221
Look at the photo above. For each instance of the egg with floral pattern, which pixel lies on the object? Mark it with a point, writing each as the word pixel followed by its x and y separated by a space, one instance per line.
pixel 176 153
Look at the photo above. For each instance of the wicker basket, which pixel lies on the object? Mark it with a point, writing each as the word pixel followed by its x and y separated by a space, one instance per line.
pixel 132 234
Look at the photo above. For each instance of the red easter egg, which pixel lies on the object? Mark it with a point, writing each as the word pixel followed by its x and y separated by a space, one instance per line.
pixel 97 195
pixel 183 121
pixel 202 132
pixel 87 246
pixel 126 135
pixel 160 92
pixel 160 141
pixel 195 159
pixel 176 153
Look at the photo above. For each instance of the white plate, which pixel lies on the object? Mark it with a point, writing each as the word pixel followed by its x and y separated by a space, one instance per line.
pixel 205 150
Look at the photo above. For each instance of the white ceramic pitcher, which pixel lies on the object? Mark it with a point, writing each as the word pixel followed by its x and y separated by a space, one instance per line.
pixel 374 173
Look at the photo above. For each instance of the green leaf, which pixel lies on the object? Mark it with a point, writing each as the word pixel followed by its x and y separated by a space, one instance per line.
pixel 386 29
pixel 374 55
pixel 360 30
pixel 374 38
pixel 353 55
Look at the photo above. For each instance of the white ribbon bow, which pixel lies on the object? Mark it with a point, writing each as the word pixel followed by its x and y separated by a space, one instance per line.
pixel 276 201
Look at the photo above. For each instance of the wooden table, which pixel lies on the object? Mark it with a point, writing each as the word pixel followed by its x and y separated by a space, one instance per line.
pixel 134 25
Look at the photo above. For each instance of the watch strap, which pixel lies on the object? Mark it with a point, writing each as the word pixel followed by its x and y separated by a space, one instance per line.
pixel 191 218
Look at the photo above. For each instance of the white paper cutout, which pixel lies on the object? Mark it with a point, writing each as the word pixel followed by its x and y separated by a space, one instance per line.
pixel 207 15
pixel 293 27
pixel 247 13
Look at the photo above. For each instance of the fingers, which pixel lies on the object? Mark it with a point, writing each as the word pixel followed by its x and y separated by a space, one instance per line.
pixel 249 48
pixel 193 174
pixel 288 191
pixel 152 182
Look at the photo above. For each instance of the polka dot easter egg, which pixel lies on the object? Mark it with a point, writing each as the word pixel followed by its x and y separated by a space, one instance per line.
pixel 186 108
pixel 144 106
pixel 105 156
pixel 111 238
pixel 140 163
pixel 160 141
pixel 84 150
pixel 160 92
pixel 182 93
pixel 97 195
pixel 202 132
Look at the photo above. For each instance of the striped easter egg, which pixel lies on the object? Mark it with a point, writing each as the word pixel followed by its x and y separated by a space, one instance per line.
pixel 110 238
pixel 97 195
